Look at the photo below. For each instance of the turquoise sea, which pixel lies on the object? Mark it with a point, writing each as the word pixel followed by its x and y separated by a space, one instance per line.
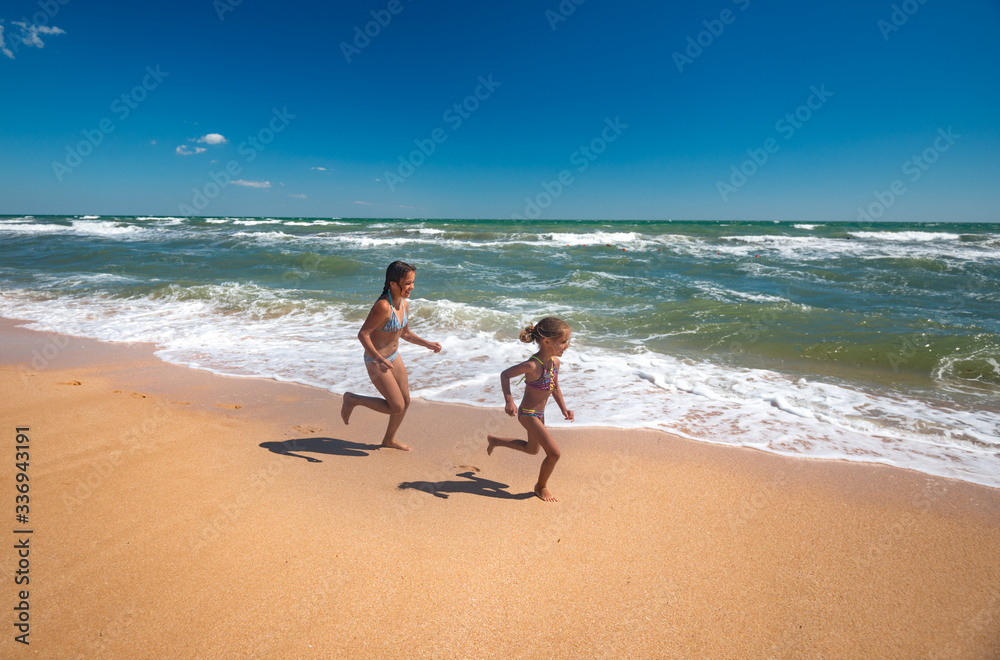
pixel 869 342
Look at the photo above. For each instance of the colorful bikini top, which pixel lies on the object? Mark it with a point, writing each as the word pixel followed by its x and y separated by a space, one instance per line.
pixel 393 324
pixel 548 380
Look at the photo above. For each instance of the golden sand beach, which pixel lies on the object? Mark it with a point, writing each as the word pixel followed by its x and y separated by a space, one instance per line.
pixel 176 513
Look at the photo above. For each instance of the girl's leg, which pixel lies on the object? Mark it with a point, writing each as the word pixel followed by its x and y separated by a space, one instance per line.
pixel 511 443
pixel 538 438
pixel 492 441
pixel 395 419
pixel 394 403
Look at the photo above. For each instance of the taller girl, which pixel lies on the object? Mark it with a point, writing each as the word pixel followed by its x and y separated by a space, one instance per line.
pixel 386 324
pixel 542 368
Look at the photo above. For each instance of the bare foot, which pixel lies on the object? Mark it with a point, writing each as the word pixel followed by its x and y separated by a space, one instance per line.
pixel 545 494
pixel 348 407
pixel 392 444
pixel 491 441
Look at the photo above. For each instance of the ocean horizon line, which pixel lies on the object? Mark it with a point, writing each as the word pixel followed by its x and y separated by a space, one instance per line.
pixel 152 216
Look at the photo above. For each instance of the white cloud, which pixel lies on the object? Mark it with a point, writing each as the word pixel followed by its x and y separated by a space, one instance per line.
pixel 252 184
pixel 185 150
pixel 321 169
pixel 44 29
pixel 364 203
pixel 3 46
pixel 28 35
pixel 213 138
pixel 296 196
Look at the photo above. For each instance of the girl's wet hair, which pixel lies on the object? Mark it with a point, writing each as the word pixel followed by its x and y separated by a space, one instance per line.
pixel 548 328
pixel 396 272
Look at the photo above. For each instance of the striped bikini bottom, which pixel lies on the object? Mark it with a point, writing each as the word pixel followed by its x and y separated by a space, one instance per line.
pixel 391 358
pixel 540 414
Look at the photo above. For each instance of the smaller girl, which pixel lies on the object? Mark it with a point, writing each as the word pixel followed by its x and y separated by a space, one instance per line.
pixel 542 368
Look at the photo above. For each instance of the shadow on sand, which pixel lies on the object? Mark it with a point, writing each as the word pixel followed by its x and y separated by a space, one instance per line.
pixel 473 485
pixel 329 446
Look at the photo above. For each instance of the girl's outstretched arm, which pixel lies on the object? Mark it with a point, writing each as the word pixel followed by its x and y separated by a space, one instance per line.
pixel 413 339
pixel 557 395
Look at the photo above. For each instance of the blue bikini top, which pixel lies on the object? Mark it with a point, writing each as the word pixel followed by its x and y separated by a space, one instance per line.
pixel 393 324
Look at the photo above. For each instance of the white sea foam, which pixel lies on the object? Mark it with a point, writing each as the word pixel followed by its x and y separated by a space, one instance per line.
pixel 90 217
pixel 250 223
pixel 817 248
pixel 361 241
pixel 20 228
pixel 716 292
pixel 59 283
pixel 427 230
pixel 373 241
pixel 113 229
pixel 906 236
pixel 676 240
pixel 266 236
pixel 793 248
pixel 244 329
pixel 595 238
pixel 600 274
pixel 314 223
pixel 778 240
pixel 105 228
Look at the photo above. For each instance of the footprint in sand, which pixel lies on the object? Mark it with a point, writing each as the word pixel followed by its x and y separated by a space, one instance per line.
pixel 136 395
pixel 181 403
pixel 307 429
pixel 471 468
pixel 116 391
pixel 71 382
pixel 231 406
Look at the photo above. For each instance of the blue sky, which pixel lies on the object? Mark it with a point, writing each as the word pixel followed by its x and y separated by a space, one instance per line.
pixel 634 110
